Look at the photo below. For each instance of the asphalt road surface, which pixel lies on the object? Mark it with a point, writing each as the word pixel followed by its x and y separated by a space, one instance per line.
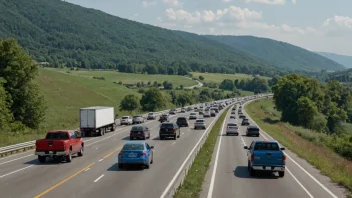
pixel 96 174
pixel 228 176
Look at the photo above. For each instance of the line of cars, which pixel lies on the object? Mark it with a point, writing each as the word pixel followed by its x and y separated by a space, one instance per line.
pixel 167 130
pixel 262 156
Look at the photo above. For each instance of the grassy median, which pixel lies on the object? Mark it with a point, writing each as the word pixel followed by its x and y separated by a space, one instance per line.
pixel 305 143
pixel 192 185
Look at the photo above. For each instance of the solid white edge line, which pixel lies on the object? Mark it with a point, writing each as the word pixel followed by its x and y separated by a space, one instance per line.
pixel 98 178
pixel 299 183
pixel 304 170
pixel 184 163
pixel 211 187
pixel 2 158
pixel 16 171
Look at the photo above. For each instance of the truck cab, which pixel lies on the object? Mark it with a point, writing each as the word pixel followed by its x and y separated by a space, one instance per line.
pixel 266 156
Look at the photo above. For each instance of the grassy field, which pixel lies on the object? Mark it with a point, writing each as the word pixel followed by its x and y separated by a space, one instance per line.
pixel 218 78
pixel 305 143
pixel 192 185
pixel 128 78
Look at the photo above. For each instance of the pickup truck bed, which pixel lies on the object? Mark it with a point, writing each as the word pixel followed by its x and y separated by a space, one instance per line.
pixel 266 156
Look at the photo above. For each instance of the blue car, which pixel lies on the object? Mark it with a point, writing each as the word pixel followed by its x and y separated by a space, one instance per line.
pixel 136 153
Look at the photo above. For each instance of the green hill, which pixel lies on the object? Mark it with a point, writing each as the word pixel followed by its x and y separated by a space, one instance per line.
pixel 342 59
pixel 280 53
pixel 63 33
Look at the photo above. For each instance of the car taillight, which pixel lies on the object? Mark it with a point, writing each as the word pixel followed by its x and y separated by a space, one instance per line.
pixel 252 157
pixel 142 131
pixel 121 154
pixel 174 130
pixel 144 154
pixel 283 157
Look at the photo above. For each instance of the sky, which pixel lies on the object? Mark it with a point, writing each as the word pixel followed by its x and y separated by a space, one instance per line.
pixel 316 25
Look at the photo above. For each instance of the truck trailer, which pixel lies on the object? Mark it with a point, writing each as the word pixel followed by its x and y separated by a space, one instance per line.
pixel 97 120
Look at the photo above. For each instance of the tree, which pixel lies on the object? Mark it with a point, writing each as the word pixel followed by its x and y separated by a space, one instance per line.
pixel 153 99
pixel 129 103
pixel 181 86
pixel 18 71
pixel 5 115
pixel 183 99
pixel 227 84
pixel 167 85
pixel 201 78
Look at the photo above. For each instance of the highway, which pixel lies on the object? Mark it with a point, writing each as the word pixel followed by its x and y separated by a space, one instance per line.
pixel 96 174
pixel 228 176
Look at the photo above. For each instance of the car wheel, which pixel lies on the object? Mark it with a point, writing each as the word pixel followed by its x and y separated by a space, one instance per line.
pixel 131 138
pixel 175 137
pixel 281 173
pixel 144 137
pixel 147 166
pixel 151 162
pixel 41 159
pixel 80 152
pixel 69 156
pixel 258 135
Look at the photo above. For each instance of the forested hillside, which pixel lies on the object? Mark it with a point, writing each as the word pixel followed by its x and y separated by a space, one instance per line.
pixel 342 59
pixel 280 53
pixel 62 33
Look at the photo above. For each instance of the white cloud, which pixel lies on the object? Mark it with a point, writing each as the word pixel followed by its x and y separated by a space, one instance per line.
pixel 226 1
pixel 148 3
pixel 230 14
pixel 272 2
pixel 338 26
pixel 174 3
pixel 294 1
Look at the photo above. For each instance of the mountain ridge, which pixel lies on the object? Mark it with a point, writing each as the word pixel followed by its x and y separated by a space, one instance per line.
pixel 342 59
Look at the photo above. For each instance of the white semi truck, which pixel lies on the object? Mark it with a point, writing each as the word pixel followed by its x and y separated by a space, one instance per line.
pixel 97 120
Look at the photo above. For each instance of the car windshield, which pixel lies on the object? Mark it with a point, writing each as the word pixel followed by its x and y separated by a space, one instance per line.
pixel 124 117
pixel 137 128
pixel 136 116
pixel 167 126
pixel 193 114
pixel 245 120
pixel 267 146
pixel 57 136
pixel 181 119
pixel 151 114
pixel 129 147
pixel 233 127
pixel 200 121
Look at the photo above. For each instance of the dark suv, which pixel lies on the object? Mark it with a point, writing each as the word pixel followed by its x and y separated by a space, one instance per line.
pixel 245 122
pixel 168 129
pixel 139 132
pixel 182 121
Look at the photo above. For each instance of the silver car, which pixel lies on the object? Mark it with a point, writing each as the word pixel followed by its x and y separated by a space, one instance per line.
pixel 138 119
pixel 200 123
pixel 206 114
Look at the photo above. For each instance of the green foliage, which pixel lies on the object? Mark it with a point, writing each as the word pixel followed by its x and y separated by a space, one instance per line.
pixel 280 53
pixel 65 34
pixel 304 101
pixel 152 100
pixel 167 85
pixel 129 103
pixel 257 85
pixel 184 99
pixel 201 78
pixel 227 84
pixel 17 69
pixel 5 115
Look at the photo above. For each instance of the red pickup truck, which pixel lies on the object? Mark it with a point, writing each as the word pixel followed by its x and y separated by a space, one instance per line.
pixel 59 144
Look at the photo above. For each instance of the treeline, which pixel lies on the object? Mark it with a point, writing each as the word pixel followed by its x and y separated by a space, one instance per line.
pixel 153 99
pixel 21 104
pixel 306 102
pixel 256 85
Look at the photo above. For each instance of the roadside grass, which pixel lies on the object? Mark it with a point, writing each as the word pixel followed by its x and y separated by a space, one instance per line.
pixel 192 185
pixel 129 78
pixel 218 78
pixel 309 145
pixel 348 127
